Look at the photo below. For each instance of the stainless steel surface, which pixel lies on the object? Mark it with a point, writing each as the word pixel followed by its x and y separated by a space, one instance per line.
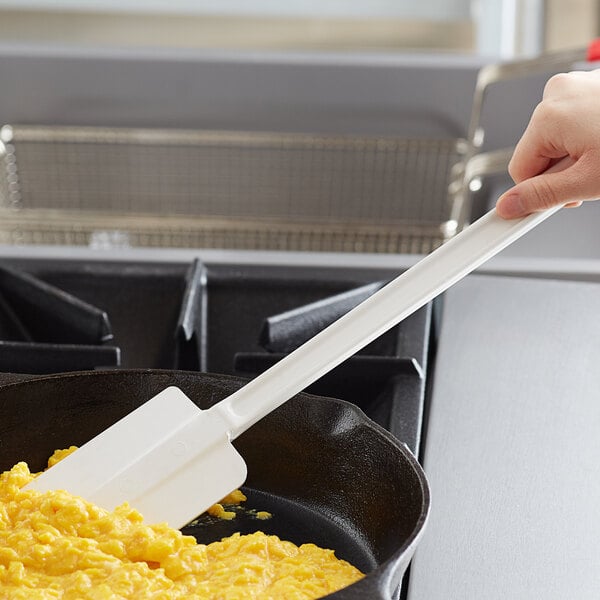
pixel 340 93
pixel 578 269
pixel 512 445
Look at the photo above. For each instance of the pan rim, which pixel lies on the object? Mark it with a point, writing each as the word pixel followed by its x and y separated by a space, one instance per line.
pixel 387 576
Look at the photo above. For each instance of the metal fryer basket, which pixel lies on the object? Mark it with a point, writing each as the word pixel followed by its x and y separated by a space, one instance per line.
pixel 225 189
pixel 251 190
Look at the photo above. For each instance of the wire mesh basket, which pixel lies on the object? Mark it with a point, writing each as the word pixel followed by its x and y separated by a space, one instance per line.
pixel 225 189
pixel 243 190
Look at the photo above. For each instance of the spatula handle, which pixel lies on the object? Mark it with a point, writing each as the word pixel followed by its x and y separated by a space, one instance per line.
pixel 373 317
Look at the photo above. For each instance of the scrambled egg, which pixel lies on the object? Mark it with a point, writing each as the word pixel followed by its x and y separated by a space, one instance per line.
pixel 54 545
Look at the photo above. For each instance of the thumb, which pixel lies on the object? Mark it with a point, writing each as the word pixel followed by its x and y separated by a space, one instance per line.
pixel 566 182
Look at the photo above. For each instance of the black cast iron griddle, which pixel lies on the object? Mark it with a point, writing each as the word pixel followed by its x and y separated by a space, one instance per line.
pixel 328 474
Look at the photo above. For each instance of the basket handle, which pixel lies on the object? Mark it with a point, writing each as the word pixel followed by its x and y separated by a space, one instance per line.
pixel 556 62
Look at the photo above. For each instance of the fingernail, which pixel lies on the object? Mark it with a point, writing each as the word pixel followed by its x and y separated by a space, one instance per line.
pixel 510 205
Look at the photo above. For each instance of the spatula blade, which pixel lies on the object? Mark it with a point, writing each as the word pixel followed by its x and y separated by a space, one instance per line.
pixel 168 459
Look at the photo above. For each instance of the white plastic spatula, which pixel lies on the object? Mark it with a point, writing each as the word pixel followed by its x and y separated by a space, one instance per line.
pixel 171 460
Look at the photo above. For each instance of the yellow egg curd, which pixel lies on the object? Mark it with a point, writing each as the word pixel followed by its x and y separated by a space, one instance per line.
pixel 56 545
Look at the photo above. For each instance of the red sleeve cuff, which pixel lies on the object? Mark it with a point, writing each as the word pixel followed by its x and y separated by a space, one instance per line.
pixel 593 52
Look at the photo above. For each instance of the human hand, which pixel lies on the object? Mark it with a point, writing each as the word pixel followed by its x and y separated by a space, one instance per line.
pixel 566 124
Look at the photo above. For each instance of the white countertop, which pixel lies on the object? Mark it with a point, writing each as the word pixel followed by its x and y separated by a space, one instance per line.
pixel 512 449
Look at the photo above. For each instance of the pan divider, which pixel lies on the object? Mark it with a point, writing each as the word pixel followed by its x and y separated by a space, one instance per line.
pixel 191 352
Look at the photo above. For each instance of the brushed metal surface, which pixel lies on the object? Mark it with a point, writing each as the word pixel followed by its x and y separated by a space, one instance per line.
pixel 513 445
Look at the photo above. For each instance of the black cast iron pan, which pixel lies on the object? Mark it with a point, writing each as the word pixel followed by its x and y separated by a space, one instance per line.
pixel 326 472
